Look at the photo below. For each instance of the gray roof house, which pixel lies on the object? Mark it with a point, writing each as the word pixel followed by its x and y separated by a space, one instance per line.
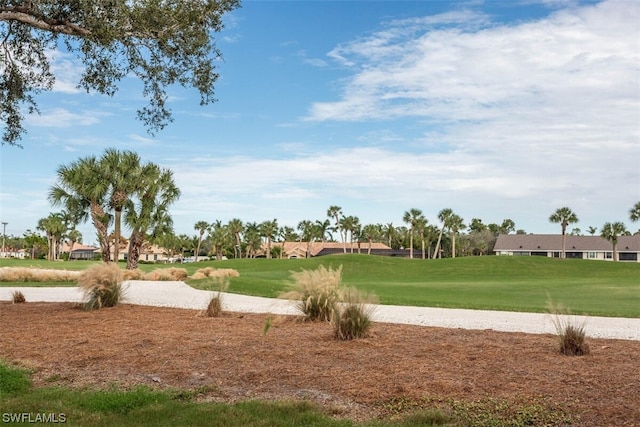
pixel 550 245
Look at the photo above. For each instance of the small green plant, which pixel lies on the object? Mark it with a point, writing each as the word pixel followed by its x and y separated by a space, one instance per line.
pixel 13 380
pixel 571 332
pixel 267 325
pixel 317 290
pixel 102 286
pixel 352 319
pixel 18 297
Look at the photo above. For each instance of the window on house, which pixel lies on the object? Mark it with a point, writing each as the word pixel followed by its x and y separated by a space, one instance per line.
pixel 592 255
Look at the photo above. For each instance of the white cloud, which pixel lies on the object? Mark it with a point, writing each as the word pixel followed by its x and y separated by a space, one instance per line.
pixel 516 117
pixel 63 118
pixel 67 71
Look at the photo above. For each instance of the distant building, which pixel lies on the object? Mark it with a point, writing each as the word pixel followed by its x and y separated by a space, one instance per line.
pixel 584 247
pixel 81 252
pixel 314 249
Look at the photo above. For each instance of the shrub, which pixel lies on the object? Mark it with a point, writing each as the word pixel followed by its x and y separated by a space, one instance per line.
pixel 136 274
pixel 353 318
pixel 159 274
pixel 203 273
pixel 18 297
pixel 571 332
pixel 102 286
pixel 317 290
pixel 21 274
pixel 214 308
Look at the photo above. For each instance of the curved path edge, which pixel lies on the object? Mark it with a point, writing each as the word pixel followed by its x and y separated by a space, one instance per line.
pixel 180 295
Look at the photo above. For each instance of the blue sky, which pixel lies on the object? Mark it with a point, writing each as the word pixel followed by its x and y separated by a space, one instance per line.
pixel 495 109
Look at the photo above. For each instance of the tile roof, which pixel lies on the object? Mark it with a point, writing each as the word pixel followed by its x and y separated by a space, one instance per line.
pixel 553 242
pixel 315 248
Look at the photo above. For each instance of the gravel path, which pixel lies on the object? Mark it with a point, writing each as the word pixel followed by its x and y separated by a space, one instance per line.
pixel 180 295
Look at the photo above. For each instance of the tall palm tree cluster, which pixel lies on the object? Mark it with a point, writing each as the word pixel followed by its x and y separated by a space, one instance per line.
pixel 237 239
pixel 119 188
pixel 114 189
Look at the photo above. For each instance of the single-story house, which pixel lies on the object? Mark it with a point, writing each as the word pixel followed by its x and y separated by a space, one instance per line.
pixel 14 253
pixel 80 251
pixel 585 247
pixel 299 249
pixel 148 253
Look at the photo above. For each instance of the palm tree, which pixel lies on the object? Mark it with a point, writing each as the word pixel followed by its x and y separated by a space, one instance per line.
pixel 323 228
pixel 350 225
pixel 370 232
pixel 81 189
pixel 563 216
pixel 268 230
pixel 54 228
pixel 611 232
pixel 252 238
pixel 288 234
pixel 148 217
pixel 592 230
pixel 444 215
pixel 334 213
pixel 220 237
pixel 421 227
pixel 121 170
pixel 389 232
pixel 235 228
pixel 634 212
pixel 73 236
pixel 201 227
pixel 306 229
pixel 412 217
pixel 455 224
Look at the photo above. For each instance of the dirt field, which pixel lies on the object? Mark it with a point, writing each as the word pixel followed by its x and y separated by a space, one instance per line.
pixel 397 367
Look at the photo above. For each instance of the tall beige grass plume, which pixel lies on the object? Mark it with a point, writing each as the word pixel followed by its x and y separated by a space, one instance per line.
pixel 101 285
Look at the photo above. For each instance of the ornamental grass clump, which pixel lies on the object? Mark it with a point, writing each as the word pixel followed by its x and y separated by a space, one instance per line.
pixel 21 274
pixel 318 292
pixel 102 286
pixel 210 272
pixel 353 318
pixel 166 274
pixel 18 297
pixel 214 308
pixel 570 331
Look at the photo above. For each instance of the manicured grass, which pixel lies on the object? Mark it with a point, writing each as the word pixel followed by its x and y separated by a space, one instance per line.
pixel 597 288
pixel 143 406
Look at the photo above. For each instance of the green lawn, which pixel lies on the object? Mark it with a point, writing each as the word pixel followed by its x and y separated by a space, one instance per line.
pixel 597 288
pixel 21 403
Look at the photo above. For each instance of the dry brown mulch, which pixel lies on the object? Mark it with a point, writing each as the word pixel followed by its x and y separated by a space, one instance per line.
pixel 230 358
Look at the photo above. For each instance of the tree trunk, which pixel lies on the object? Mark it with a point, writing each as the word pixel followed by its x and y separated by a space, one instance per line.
pixel 135 244
pixel 436 253
pixel 98 218
pixel 117 232
pixel 411 244
pixel 453 245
